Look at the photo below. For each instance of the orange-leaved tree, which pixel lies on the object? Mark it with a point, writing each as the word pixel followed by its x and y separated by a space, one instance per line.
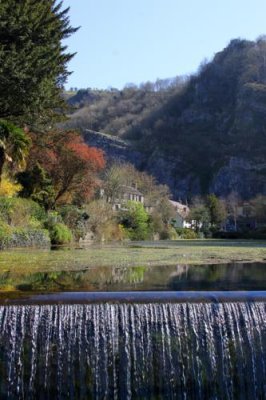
pixel 70 163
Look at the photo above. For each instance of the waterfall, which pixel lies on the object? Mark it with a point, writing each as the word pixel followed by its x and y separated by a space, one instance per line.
pixel 139 351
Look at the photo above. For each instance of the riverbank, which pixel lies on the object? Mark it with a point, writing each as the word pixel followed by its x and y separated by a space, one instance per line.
pixel 134 254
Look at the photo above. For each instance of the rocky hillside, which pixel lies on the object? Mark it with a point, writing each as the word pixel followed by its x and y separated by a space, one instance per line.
pixel 116 111
pixel 206 135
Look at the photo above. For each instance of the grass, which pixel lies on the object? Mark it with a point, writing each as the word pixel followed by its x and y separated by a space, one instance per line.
pixel 132 254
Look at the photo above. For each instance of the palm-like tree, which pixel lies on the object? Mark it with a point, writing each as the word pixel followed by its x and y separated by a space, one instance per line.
pixel 14 145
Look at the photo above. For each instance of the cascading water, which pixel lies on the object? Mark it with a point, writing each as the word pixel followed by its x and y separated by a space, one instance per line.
pixel 138 351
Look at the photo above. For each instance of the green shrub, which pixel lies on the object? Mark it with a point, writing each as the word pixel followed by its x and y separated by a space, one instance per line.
pixel 28 237
pixel 19 212
pixel 22 237
pixel 103 222
pixel 135 221
pixel 169 233
pixel 75 218
pixel 186 233
pixel 5 234
pixel 21 223
pixel 60 234
pixel 52 218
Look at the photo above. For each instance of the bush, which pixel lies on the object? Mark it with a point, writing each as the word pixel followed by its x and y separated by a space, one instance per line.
pixel 135 221
pixel 169 233
pixel 21 223
pixel 18 212
pixel 8 187
pixel 76 219
pixel 5 234
pixel 22 237
pixel 102 221
pixel 26 237
pixel 186 233
pixel 60 234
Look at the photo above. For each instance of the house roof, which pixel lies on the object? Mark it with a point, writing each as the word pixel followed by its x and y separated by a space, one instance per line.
pixel 182 209
pixel 131 190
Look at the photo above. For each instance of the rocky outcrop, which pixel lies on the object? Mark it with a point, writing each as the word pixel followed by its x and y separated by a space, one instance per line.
pixel 114 148
pixel 241 176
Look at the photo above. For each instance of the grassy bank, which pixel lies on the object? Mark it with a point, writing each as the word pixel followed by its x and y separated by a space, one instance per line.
pixel 132 254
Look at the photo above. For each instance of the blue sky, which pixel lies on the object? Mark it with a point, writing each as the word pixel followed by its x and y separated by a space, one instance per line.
pixel 124 41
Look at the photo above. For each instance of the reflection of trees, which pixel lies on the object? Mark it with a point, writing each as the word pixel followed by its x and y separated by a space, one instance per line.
pixel 5 280
pixel 72 280
pixel 56 280
pixel 233 276
pixel 127 274
pixel 179 277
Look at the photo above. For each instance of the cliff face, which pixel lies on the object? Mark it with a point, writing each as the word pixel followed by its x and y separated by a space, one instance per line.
pixel 210 135
pixel 115 149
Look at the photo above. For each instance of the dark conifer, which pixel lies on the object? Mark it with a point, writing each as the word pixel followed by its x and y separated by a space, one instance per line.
pixel 33 60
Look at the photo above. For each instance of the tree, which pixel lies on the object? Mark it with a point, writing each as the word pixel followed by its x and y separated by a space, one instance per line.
pixel 14 145
pixel 102 221
pixel 33 61
pixel 114 179
pixel 232 203
pixel 199 215
pixel 69 162
pixel 165 209
pixel 259 205
pixel 37 185
pixel 216 209
pixel 135 220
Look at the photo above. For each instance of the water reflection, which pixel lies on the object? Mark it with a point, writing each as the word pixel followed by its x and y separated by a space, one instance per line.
pixel 240 276
pixel 180 277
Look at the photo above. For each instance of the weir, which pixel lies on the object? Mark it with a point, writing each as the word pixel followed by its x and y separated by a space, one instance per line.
pixel 143 350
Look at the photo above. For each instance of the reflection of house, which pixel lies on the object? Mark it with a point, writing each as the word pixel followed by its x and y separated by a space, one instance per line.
pixel 181 270
pixel 182 211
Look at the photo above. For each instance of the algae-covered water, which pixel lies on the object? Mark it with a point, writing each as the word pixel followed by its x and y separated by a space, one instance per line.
pixel 163 266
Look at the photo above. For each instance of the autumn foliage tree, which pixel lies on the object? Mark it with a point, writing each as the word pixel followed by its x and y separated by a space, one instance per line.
pixel 70 164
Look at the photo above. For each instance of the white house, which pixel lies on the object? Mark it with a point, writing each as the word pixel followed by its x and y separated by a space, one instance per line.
pixel 182 211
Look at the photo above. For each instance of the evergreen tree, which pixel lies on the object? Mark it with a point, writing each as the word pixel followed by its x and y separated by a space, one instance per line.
pixel 216 209
pixel 33 60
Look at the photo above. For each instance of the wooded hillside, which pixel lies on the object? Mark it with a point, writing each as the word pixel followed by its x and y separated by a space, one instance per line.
pixel 203 134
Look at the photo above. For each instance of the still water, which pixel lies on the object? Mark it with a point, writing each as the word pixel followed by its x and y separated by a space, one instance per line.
pixel 234 276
